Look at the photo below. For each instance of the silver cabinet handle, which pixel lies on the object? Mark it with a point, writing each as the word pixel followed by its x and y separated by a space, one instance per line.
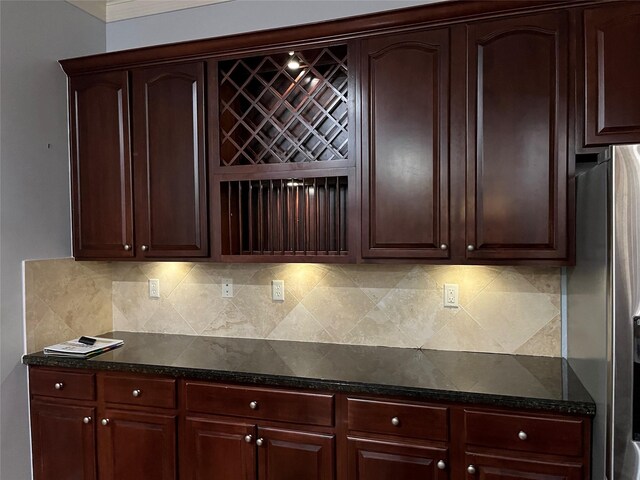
pixel 395 421
pixel 144 248
pixel 104 421
pixel 248 438
pixel 441 465
pixel 58 386
pixel 471 248
pixel 136 393
pixel 86 420
pixel 471 469
pixel 443 246
pixel 127 247
pixel 522 435
pixel 259 442
pixel 253 405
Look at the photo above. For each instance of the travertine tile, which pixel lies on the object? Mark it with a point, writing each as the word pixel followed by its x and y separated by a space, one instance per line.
pixel 52 330
pixel 240 273
pixel 376 276
pixel 337 309
pixel 132 300
pixel 127 272
pixel 545 279
pixel 511 319
pixel 167 320
pixel 418 278
pixel 170 274
pixel 545 342
pixel 198 303
pixel 230 322
pixel 300 325
pixel 254 301
pixel 463 333
pixel 470 279
pixel 376 329
pixel 299 278
pixel 419 314
pixel 510 281
pixel 336 278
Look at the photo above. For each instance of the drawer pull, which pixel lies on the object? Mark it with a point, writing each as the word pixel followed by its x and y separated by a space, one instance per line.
pixel 104 421
pixel 248 438
pixel 259 442
pixel 136 393
pixel 86 420
pixel 522 435
pixel 441 465
pixel 253 405
pixel 471 470
pixel 59 386
pixel 395 421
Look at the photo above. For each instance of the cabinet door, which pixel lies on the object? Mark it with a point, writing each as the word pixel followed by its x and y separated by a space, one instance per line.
pixel 612 40
pixel 101 166
pixel 293 455
pixel 517 164
pixel 218 450
pixel 496 467
pixel 384 460
pixel 134 446
pixel 63 444
pixel 169 158
pixel 405 105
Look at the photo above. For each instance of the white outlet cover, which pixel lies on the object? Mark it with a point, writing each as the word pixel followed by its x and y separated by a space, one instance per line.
pixel 277 290
pixel 451 295
pixel 154 288
pixel 227 288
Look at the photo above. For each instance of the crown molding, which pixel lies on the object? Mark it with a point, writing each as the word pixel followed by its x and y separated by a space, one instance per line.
pixel 115 10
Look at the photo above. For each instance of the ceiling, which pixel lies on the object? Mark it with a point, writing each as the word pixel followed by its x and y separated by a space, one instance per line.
pixel 114 10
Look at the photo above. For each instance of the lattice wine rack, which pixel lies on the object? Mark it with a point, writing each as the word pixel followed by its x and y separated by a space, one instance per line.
pixel 271 113
pixel 288 217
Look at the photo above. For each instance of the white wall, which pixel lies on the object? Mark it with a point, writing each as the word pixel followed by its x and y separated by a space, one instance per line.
pixel 34 180
pixel 237 16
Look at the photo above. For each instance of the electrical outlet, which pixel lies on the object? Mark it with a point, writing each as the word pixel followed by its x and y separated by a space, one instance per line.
pixel 277 290
pixel 450 295
pixel 154 288
pixel 227 288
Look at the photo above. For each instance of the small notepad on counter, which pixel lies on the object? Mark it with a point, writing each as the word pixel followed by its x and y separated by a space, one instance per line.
pixel 74 348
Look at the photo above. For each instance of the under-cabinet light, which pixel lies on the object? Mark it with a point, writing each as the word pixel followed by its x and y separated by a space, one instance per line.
pixel 293 64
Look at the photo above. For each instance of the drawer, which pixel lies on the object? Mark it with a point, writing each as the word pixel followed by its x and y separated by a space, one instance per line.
pixel 134 390
pixel 559 436
pixel 62 384
pixel 395 418
pixel 261 403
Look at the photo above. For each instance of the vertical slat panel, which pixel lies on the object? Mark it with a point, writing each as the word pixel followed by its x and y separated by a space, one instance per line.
pixel 240 219
pixel 316 222
pixel 338 215
pixel 327 203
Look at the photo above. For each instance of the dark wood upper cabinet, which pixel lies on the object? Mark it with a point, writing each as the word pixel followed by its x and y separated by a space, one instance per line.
pixel 405 103
pixel 169 159
pixel 63 444
pixel 612 103
pixel 517 150
pixel 101 166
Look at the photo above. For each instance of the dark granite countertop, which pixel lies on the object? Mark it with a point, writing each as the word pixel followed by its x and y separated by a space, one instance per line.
pixel 515 381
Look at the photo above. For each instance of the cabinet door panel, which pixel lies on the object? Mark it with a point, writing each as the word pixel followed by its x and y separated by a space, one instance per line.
pixel 517 166
pixel 63 445
pixel 405 102
pixel 101 166
pixel 383 460
pixel 612 40
pixel 494 467
pixel 137 445
pixel 170 161
pixel 218 451
pixel 291 455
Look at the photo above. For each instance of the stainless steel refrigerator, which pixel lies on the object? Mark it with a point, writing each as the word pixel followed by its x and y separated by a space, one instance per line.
pixel 603 301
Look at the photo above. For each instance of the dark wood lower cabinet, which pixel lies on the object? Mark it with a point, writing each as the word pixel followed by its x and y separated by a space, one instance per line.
pixel 295 455
pixel 63 439
pixel 136 445
pixel 218 450
pixel 498 467
pixel 384 460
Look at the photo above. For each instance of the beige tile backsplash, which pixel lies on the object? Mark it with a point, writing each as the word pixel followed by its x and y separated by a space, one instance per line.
pixel 502 309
